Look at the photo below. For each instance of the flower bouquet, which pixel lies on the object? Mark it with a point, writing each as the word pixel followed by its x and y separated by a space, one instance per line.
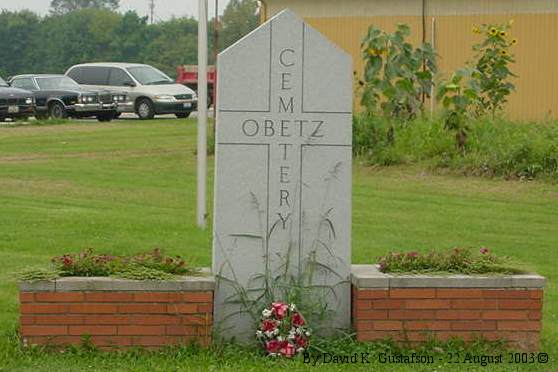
pixel 282 331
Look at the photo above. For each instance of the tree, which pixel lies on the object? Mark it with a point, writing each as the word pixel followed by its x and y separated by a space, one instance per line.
pixel 239 18
pixel 19 42
pixel 172 43
pixel 66 6
pixel 130 38
pixel 81 36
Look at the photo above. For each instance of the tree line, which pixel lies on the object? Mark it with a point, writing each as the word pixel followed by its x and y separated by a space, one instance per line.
pixel 30 43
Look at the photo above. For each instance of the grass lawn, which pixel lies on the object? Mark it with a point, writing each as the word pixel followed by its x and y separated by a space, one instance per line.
pixel 129 186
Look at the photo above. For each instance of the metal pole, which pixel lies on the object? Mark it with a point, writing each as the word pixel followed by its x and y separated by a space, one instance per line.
pixel 151 6
pixel 215 53
pixel 202 114
pixel 432 89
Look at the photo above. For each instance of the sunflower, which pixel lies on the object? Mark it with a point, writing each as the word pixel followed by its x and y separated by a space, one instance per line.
pixel 514 41
pixel 475 30
pixel 504 52
pixel 493 31
pixel 503 33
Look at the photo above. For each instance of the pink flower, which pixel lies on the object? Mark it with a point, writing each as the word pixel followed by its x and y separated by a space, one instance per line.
pixel 412 254
pixel 67 260
pixel 484 250
pixel 279 309
pixel 268 325
pixel 272 346
pixel 288 350
pixel 300 341
pixel 298 320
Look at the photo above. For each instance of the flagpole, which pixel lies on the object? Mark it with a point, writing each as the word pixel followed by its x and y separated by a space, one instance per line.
pixel 202 115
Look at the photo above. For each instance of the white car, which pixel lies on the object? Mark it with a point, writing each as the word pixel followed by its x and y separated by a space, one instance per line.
pixel 150 92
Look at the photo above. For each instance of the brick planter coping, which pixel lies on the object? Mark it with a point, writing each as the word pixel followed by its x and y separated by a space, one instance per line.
pixel 116 313
pixel 414 308
pixel 369 276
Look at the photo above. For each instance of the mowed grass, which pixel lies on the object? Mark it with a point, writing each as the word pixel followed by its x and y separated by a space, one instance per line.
pixel 129 186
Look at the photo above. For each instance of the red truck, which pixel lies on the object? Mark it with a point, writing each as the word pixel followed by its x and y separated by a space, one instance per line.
pixel 188 75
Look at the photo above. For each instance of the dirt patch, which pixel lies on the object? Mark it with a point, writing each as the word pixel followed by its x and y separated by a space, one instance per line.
pixel 109 154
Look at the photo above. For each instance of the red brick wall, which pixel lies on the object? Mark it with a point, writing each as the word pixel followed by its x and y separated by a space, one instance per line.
pixel 116 319
pixel 417 314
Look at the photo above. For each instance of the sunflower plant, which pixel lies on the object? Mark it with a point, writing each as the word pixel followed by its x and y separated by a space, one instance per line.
pixel 397 76
pixel 459 95
pixel 492 66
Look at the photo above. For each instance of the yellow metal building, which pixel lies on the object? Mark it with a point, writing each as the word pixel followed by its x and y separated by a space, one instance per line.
pixel 448 24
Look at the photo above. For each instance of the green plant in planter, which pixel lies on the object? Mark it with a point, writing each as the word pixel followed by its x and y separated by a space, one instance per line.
pixel 397 77
pixel 457 261
pixel 492 66
pixel 35 275
pixel 154 265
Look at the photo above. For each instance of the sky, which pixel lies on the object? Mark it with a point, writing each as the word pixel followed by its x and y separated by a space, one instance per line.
pixel 164 9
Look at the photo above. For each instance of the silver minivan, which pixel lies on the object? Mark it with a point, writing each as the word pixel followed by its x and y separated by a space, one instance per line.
pixel 150 92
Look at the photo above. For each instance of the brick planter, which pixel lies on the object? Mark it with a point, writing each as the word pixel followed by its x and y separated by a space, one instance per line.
pixel 116 313
pixel 416 307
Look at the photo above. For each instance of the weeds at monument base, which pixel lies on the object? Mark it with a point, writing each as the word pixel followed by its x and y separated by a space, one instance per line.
pixel 286 287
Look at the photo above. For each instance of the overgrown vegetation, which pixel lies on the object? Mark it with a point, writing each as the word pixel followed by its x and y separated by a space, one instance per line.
pixel 154 265
pixel 455 261
pixel 469 135
pixel 495 148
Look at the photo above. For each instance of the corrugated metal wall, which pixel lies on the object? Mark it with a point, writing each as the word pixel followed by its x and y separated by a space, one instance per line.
pixel 535 26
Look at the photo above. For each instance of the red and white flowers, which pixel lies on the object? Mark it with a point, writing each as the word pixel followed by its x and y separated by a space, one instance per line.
pixel 282 330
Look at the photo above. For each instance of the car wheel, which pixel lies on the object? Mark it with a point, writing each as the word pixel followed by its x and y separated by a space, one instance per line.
pixel 145 109
pixel 57 111
pixel 183 115
pixel 2 119
pixel 117 115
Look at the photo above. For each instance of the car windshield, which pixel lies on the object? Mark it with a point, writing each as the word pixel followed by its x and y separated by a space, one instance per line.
pixel 57 82
pixel 3 83
pixel 147 75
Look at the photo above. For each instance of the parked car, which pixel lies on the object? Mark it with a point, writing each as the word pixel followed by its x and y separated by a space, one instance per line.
pixel 58 96
pixel 150 92
pixel 15 103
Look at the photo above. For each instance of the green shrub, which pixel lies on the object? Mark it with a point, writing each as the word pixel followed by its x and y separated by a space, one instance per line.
pixel 495 148
pixel 457 261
